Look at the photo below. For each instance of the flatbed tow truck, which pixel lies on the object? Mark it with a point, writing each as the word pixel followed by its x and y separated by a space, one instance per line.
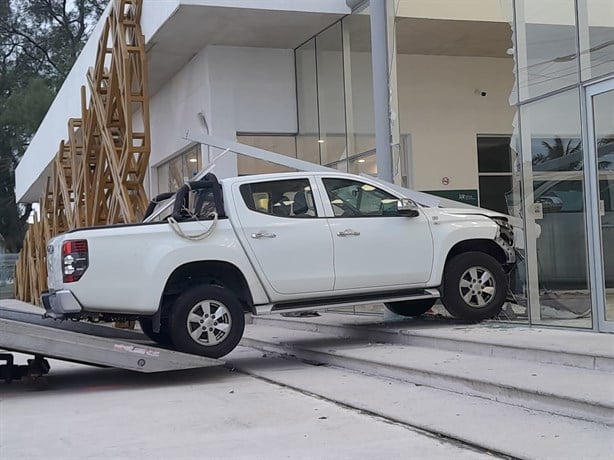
pixel 25 331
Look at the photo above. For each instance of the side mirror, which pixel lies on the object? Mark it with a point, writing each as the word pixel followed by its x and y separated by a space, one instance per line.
pixel 407 207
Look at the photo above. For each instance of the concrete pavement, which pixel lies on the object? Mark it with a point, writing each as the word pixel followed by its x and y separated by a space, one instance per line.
pixel 424 388
pixel 213 413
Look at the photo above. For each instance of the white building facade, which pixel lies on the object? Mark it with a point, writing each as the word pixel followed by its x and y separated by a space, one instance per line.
pixel 506 104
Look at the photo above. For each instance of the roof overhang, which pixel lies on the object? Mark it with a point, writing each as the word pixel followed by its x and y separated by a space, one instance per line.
pixel 193 27
pixel 175 30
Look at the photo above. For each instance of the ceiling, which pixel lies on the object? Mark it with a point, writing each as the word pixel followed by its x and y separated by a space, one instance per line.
pixel 192 28
pixel 440 37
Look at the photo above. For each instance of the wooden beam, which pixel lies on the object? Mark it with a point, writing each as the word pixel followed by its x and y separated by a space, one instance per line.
pixel 99 171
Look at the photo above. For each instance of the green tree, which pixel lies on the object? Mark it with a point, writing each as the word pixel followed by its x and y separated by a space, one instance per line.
pixel 39 42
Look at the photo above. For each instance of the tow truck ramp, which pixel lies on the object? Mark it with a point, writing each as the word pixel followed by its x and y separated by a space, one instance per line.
pixel 42 341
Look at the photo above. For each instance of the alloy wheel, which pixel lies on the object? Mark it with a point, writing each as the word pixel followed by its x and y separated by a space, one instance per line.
pixel 209 322
pixel 477 287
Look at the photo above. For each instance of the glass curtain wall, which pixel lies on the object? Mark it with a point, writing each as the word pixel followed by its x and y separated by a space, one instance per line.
pixel 454 76
pixel 307 145
pixel 278 143
pixel 331 95
pixel 555 52
pixel 472 74
pixel 596 38
pixel 335 97
pixel 562 47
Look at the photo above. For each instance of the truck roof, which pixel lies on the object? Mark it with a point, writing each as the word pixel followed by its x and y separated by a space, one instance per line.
pixel 290 175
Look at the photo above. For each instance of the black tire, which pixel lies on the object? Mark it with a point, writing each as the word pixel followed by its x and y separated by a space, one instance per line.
pixel 217 323
pixel 480 296
pixel 411 307
pixel 163 337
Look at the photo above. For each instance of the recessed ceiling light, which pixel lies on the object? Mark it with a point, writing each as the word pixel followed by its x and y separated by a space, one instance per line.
pixel 193 160
pixel 361 161
pixel 320 141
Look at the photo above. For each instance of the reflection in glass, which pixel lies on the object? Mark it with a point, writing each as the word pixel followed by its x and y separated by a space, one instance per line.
pixel 604 138
pixel 331 100
pixel 175 174
pixel 547 46
pixel 307 145
pixel 181 169
pixel 361 125
pixel 163 180
pixel 596 37
pixel 364 164
pixel 191 164
pixel 552 129
pixel 284 144
pixel 340 166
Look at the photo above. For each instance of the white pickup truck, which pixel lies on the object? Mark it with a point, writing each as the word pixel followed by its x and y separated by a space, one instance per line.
pixel 279 243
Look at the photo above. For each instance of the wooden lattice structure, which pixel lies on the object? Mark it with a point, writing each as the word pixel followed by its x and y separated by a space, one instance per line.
pixel 99 170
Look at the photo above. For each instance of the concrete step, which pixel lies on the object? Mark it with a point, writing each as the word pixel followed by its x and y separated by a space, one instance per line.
pixel 549 346
pixel 495 426
pixel 574 392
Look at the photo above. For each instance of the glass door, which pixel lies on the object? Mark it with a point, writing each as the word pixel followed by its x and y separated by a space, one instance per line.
pixel 600 110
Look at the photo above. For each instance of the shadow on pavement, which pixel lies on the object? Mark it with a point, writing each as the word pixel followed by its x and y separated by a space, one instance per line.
pixel 80 379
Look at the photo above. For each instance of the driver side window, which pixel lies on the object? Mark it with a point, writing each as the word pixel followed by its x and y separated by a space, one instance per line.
pixel 351 198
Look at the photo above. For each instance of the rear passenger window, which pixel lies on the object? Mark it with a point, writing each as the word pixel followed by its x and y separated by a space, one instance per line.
pixel 281 198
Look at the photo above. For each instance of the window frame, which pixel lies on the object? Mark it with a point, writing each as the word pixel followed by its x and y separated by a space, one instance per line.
pixel 481 174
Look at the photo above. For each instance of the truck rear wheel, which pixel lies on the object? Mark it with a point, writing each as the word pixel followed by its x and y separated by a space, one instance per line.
pixel 162 337
pixel 207 321
pixel 474 286
pixel 410 307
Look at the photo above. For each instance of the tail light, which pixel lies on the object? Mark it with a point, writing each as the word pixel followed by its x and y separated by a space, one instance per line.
pixel 74 260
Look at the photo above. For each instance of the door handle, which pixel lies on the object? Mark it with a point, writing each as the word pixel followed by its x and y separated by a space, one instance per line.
pixel 259 235
pixel 348 232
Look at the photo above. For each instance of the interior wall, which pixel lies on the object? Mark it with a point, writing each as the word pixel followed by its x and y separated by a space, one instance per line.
pixel 439 107
pixel 235 89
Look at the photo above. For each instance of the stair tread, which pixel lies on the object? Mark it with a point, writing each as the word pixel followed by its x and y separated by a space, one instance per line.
pixel 491 424
pixel 584 385
pixel 509 335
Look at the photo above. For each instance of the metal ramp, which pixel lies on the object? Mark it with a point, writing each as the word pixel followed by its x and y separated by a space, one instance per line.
pixel 97 347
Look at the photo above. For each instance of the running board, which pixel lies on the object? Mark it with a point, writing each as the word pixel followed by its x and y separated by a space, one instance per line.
pixel 346 301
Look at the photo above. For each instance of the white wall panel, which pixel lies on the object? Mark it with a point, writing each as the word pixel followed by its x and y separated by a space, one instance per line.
pixel 236 89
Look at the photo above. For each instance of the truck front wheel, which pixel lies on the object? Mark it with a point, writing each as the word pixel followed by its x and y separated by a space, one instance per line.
pixel 474 286
pixel 207 321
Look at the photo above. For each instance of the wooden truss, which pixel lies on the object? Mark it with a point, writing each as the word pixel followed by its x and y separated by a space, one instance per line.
pixel 98 173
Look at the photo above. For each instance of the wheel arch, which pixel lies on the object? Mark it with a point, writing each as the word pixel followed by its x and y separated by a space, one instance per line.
pixel 478 245
pixel 214 272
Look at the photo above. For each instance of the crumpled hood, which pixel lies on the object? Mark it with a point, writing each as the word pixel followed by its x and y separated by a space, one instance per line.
pixel 472 211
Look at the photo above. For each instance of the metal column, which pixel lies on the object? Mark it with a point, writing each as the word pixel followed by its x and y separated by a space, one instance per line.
pixel 381 89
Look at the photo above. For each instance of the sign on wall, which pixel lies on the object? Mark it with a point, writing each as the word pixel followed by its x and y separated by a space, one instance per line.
pixel 468 196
